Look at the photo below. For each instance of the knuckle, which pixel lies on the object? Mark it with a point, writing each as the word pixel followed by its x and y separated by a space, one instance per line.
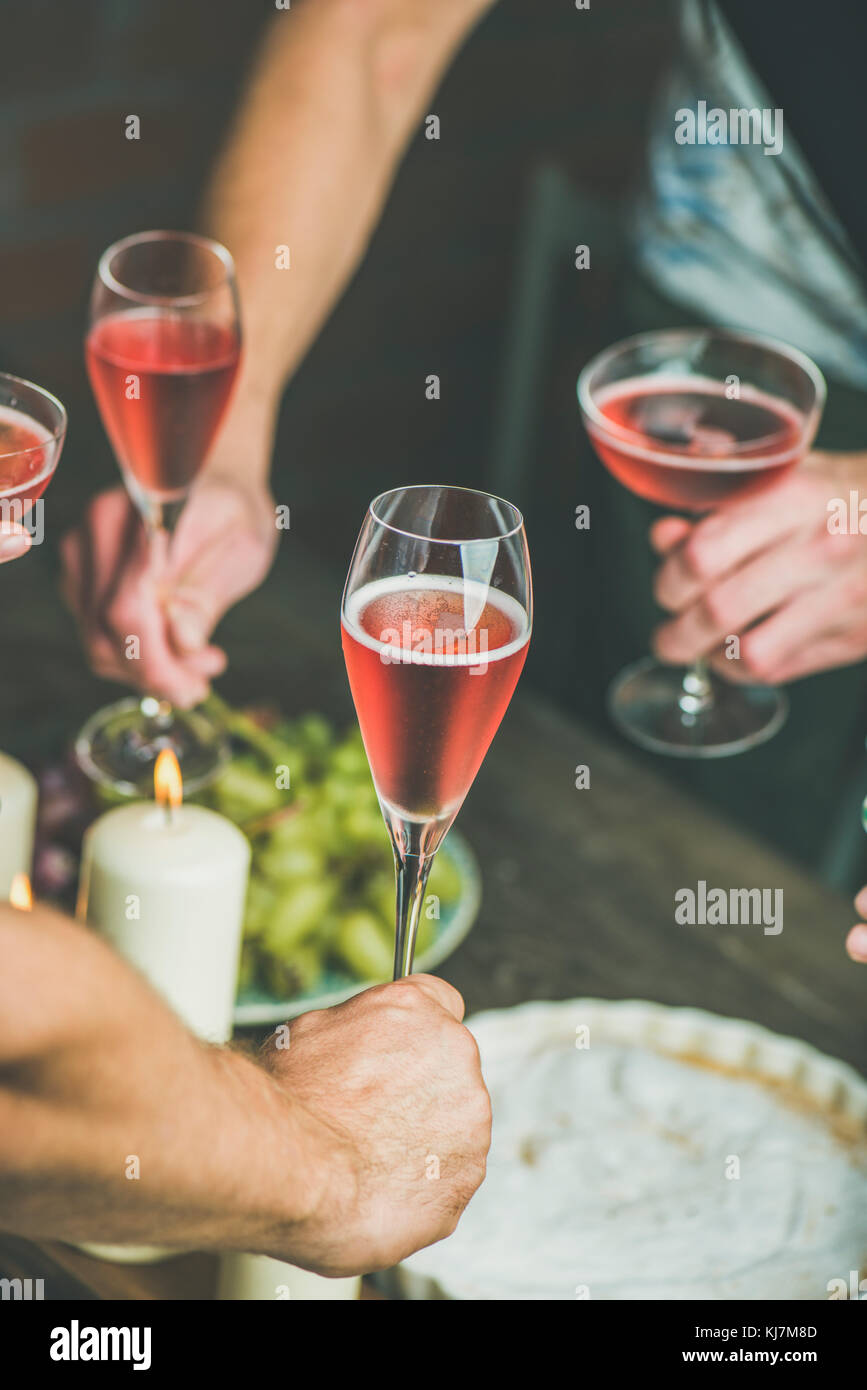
pixel 854 588
pixel 718 608
pixel 119 616
pixel 755 659
pixel 696 557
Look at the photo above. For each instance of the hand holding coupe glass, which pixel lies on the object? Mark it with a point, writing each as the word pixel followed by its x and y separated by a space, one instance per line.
pixel 703 421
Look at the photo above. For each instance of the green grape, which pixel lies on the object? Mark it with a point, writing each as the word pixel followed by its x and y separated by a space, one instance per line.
pixel 322 823
pixel 248 967
pixel 315 733
pixel 244 787
pixel 379 897
pixel 290 832
pixel 296 914
pixel 359 945
pixel 362 827
pixel 350 759
pixel 445 879
pixel 260 904
pixel 289 863
pixel 426 934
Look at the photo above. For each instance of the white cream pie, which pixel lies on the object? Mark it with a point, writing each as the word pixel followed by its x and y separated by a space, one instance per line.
pixel 641 1152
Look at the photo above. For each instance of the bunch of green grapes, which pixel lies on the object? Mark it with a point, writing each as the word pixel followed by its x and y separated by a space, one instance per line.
pixel 322 879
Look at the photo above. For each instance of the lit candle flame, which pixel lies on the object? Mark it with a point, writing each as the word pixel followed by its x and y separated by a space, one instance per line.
pixel 20 894
pixel 168 783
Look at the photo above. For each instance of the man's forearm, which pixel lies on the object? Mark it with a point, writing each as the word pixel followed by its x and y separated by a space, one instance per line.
pixel 116 1125
pixel 332 101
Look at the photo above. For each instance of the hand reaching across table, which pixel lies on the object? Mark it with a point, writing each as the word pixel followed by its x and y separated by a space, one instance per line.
pixel 221 551
pixel 334 98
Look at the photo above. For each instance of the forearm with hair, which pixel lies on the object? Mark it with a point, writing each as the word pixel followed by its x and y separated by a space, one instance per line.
pixel 116 1124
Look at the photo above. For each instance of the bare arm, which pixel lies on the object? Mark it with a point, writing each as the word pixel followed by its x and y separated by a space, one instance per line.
pixel 96 1073
pixel 338 87
pixel 116 1125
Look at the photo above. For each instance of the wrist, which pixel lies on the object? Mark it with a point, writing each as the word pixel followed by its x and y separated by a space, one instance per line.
pixel 270 1186
pixel 243 449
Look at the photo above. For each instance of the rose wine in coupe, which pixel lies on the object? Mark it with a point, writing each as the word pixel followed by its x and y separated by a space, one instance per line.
pixel 688 445
pixel 162 384
pixel 695 420
pixel 27 458
pixel 430 690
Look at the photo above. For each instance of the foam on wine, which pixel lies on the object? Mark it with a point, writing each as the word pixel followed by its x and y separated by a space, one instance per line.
pixel 383 602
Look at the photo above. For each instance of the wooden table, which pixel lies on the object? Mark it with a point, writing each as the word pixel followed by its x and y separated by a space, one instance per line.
pixel 579 885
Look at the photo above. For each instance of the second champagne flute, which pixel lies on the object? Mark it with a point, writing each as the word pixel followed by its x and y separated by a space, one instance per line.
pixel 436 621
pixel 162 354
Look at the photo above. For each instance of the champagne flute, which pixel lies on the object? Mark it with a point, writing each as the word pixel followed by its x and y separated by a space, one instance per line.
pixel 435 621
pixel 162 352
pixel 692 419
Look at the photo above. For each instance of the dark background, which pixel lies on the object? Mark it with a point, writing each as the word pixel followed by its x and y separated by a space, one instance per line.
pixel 538 82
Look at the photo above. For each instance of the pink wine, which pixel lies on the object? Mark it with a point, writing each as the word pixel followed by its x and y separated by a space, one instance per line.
pixel 691 447
pixel 27 458
pixel 162 384
pixel 432 664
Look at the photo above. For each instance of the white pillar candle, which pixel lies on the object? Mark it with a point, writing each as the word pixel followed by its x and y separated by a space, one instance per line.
pixel 167 888
pixel 259 1277
pixel 18 793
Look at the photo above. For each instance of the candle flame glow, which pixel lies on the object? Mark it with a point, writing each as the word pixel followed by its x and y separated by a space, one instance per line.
pixel 168 783
pixel 20 893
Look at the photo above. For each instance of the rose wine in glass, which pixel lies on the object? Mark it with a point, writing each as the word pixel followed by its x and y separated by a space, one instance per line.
pixel 694 419
pixel 185 369
pixel 435 623
pixel 162 353
pixel 32 431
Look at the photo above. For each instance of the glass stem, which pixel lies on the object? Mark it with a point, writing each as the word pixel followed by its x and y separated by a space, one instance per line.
pixel 159 521
pixel 414 843
pixel 411 873
pixel 696 697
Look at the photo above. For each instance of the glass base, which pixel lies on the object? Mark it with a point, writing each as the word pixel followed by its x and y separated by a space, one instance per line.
pixel 119 746
pixel 644 703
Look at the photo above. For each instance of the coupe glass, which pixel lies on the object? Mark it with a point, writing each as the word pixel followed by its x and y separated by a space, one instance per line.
pixel 32 431
pixel 435 621
pixel 694 419
pixel 162 352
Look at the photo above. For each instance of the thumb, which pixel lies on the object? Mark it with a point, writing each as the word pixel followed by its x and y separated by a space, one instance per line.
pixel 668 532
pixel 192 616
pixel 856 943
pixel 14 542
